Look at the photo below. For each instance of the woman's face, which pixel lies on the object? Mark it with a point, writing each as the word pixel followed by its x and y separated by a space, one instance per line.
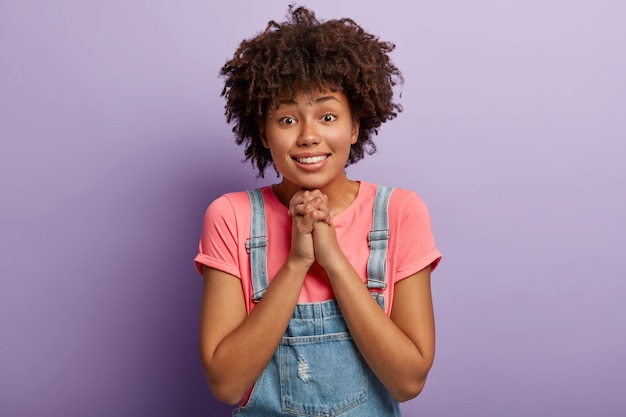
pixel 309 137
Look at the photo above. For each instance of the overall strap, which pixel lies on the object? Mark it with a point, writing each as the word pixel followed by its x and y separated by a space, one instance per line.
pixel 378 239
pixel 257 245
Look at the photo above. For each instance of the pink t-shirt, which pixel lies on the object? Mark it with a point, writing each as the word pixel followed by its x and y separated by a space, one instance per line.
pixel 227 227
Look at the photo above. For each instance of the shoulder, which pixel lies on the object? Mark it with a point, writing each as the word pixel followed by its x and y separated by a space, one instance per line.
pixel 401 200
pixel 229 207
pixel 407 210
pixel 229 201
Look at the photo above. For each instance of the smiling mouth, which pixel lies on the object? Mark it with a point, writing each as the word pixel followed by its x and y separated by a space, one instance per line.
pixel 312 159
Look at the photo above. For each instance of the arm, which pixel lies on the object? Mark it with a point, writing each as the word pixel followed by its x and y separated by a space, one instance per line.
pixel 236 348
pixel 399 349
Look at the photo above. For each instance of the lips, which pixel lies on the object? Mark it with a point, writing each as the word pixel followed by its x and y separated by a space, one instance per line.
pixel 311 159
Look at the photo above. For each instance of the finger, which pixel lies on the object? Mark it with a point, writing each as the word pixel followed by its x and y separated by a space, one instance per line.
pixel 316 216
pixel 313 197
pixel 303 209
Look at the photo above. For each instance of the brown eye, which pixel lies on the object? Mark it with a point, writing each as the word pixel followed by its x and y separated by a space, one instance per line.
pixel 328 117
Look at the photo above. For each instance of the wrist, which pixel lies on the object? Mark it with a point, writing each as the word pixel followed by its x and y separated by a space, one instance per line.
pixel 333 260
pixel 298 266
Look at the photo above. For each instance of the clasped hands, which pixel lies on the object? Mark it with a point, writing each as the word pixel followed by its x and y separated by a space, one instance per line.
pixel 313 233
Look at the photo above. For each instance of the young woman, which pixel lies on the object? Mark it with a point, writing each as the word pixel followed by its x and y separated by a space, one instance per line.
pixel 317 294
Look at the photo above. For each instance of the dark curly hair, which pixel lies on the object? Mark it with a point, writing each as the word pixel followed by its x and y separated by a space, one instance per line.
pixel 303 52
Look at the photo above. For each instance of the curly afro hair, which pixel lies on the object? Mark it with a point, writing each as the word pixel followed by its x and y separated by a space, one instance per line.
pixel 303 52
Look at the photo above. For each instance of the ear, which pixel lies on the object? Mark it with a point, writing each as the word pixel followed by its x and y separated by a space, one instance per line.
pixel 356 124
pixel 261 125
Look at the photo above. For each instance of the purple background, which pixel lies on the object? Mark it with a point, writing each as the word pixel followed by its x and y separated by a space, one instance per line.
pixel 113 142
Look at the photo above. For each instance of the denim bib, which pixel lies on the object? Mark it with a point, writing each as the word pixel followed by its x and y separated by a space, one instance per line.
pixel 317 369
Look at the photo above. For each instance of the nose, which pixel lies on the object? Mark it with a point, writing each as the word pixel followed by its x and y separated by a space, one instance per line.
pixel 309 134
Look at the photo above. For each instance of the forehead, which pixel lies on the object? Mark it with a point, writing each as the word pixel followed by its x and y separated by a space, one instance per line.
pixel 310 96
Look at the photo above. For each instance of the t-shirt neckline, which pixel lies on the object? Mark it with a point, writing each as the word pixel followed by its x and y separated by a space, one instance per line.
pixel 274 201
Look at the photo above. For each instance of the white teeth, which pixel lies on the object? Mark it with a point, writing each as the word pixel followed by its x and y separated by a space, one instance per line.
pixel 312 159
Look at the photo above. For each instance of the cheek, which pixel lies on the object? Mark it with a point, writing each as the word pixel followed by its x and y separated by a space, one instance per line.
pixel 345 138
pixel 277 148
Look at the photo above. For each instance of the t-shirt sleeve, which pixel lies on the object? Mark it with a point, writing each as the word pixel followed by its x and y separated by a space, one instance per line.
pixel 218 247
pixel 416 243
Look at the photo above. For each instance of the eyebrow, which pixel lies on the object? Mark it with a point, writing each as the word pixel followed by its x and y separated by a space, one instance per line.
pixel 319 100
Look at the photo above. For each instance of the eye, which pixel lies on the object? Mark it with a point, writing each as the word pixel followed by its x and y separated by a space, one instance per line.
pixel 287 120
pixel 328 117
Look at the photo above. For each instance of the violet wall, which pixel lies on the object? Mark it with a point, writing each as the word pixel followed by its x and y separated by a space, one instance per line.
pixel 113 142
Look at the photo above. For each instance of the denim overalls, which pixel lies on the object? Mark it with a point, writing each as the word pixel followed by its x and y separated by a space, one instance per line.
pixel 317 369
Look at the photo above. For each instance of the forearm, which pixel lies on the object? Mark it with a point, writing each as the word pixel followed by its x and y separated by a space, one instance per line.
pixel 242 350
pixel 233 365
pixel 401 363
